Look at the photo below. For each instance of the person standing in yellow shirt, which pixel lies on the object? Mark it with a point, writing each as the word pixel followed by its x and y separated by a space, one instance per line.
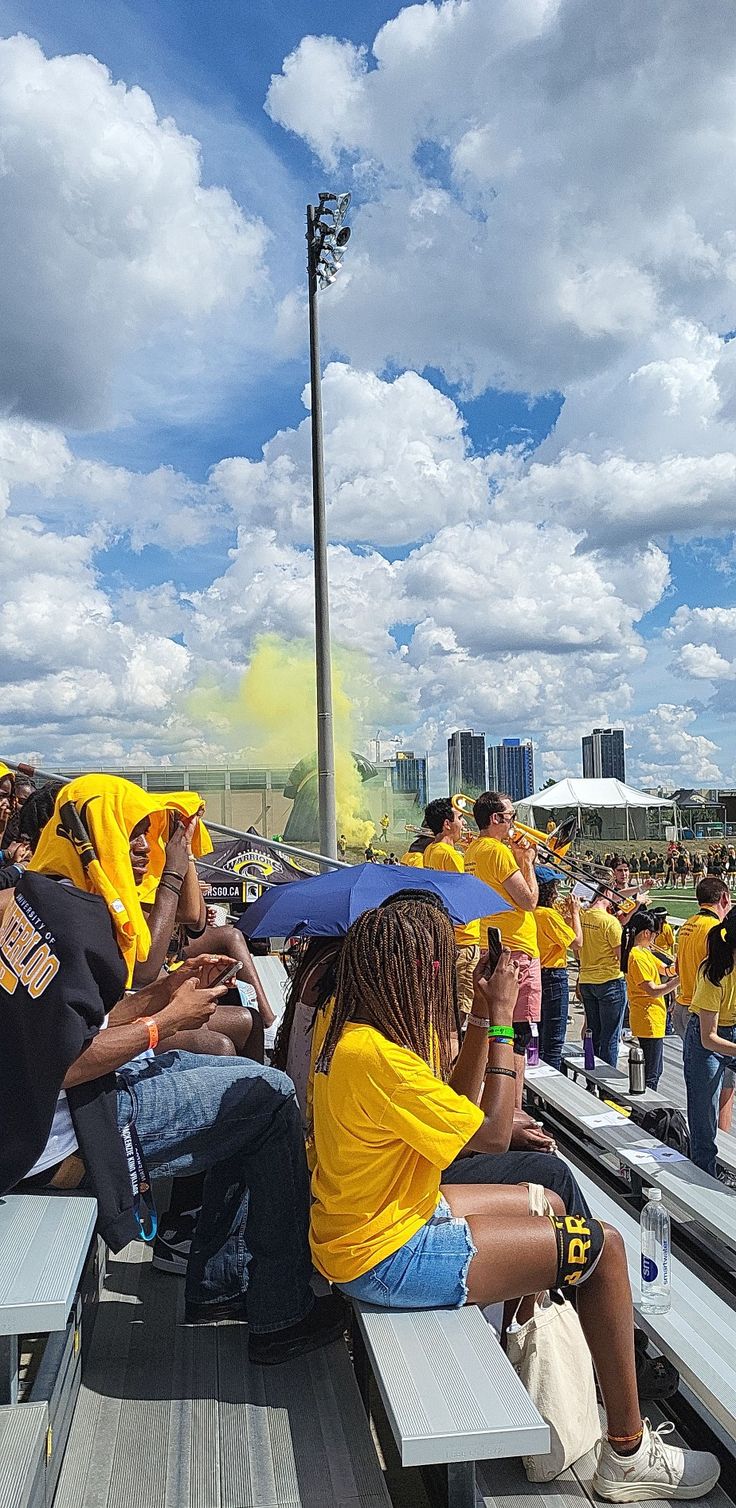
pixel 709 1049
pixel 601 982
pixel 554 936
pixel 647 986
pixel 508 865
pixel 714 903
pixel 447 826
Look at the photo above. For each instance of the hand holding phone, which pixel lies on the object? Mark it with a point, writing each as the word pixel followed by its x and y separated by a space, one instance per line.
pixel 495 948
pixel 225 975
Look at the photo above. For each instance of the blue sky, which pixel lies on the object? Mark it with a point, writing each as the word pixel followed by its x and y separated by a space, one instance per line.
pixel 542 283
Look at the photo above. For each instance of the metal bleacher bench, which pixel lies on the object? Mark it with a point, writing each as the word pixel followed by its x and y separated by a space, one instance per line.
pixel 671 1093
pixel 450 1393
pixel 608 1080
pixel 697 1332
pixel 690 1193
pixel 45 1243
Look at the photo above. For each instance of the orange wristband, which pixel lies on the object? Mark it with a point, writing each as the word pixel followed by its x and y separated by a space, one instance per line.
pixel 150 1022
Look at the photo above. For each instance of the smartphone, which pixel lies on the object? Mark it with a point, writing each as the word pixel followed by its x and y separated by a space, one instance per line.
pixel 225 975
pixel 495 947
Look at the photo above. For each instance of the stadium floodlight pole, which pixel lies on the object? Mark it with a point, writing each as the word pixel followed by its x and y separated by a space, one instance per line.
pixel 327 237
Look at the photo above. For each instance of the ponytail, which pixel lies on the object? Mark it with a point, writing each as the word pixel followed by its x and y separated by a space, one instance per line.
pixel 641 921
pixel 721 947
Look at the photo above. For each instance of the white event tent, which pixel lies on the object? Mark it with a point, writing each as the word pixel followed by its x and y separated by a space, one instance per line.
pixel 605 809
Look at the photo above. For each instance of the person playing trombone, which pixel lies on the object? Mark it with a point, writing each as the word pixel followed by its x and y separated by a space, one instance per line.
pixel 506 862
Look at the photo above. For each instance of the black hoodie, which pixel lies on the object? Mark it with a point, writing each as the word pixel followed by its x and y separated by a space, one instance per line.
pixel 61 972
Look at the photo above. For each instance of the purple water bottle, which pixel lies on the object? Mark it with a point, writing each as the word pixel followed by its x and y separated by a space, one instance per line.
pixel 588 1053
pixel 532 1046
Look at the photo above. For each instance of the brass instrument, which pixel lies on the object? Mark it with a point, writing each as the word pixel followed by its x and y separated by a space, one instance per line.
pixel 553 849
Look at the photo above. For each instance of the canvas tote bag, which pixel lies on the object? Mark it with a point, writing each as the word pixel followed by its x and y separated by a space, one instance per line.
pixel 551 1358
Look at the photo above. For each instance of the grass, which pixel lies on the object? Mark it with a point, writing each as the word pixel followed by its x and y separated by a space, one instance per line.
pixel 678 902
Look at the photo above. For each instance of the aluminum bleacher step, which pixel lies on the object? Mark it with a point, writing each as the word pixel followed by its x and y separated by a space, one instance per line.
pixel 44 1242
pixel 174 1416
pixel 23 1441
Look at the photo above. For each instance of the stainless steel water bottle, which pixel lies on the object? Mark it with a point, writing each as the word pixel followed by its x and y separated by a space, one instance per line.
pixel 637 1069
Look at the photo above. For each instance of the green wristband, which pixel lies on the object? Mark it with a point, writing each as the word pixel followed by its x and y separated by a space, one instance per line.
pixel 505 1033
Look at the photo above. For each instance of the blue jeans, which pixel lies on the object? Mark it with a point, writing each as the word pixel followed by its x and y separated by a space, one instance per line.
pixel 604 1012
pixel 238 1123
pixel 704 1074
pixel 553 1023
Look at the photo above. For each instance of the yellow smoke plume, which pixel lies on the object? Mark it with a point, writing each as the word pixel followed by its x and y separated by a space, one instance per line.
pixel 272 718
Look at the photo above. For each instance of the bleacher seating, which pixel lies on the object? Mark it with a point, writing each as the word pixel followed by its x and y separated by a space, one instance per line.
pixel 450 1393
pixel 697 1332
pixel 689 1193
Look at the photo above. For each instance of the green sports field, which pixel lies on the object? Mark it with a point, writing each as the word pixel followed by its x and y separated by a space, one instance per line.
pixel 678 902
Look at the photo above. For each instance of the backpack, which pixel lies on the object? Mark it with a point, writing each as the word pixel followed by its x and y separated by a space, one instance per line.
pixel 669 1126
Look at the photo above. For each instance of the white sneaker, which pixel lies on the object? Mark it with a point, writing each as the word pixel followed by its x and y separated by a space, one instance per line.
pixel 656 1470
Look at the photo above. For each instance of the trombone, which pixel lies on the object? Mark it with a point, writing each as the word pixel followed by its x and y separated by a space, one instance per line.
pixel 553 849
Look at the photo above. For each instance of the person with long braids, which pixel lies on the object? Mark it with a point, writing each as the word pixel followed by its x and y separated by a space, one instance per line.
pixel 709 1049
pixel 389 1116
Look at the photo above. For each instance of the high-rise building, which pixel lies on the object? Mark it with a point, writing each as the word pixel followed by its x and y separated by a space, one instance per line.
pixel 603 754
pixel 466 762
pixel 511 768
pixel 409 775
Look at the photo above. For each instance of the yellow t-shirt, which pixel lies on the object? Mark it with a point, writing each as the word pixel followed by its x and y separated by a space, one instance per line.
pixel 648 1013
pixel 439 855
pixel 554 937
pixel 716 997
pixel 384 1129
pixel 692 947
pixel 601 935
pixel 494 862
pixel 412 859
pixel 665 939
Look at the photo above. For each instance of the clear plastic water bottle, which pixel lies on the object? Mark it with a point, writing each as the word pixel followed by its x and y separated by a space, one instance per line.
pixel 656 1296
pixel 532 1046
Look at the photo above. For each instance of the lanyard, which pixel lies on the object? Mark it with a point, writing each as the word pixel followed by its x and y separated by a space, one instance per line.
pixel 140 1183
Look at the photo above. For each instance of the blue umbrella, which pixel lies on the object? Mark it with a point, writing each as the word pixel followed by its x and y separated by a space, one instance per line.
pixel 325 905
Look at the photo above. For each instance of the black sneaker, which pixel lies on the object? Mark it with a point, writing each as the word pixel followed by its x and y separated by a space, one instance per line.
pixel 172 1244
pixel 326 1322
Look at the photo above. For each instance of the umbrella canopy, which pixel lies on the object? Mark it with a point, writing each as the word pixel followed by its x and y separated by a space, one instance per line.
pixel 326 904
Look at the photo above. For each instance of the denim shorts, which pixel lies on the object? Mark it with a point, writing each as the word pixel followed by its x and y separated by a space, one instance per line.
pixel 429 1272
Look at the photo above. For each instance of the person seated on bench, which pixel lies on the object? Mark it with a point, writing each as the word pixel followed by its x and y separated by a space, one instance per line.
pixel 647 984
pixel 709 1049
pixel 179 927
pixel 387 1231
pixel 231 1029
pixel 80 1108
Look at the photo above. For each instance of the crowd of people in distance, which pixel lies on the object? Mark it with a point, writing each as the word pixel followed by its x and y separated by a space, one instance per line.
pixel 677 868
pixel 385 1145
